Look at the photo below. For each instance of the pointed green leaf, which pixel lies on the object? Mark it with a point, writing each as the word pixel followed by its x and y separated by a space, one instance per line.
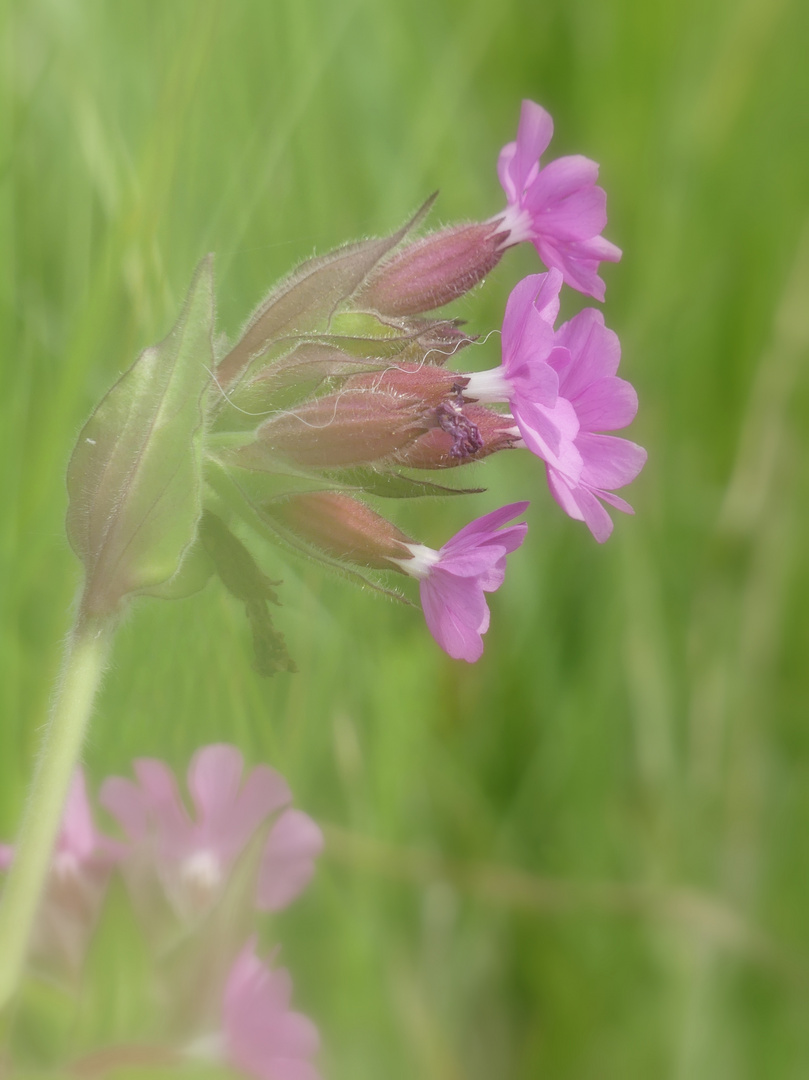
pixel 134 479
pixel 240 574
pixel 243 578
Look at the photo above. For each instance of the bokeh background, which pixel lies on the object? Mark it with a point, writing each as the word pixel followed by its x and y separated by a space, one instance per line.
pixel 588 855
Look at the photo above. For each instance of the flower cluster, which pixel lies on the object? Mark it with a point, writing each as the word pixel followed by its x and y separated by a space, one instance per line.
pixel 349 378
pixel 196 881
pixel 339 388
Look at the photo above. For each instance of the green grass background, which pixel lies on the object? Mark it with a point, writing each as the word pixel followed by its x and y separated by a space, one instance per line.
pixel 586 857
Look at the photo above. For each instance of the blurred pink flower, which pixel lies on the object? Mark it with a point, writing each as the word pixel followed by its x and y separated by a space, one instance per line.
pixel 81 865
pixel 586 365
pixel 453 579
pixel 557 207
pixel 192 855
pixel 261 1036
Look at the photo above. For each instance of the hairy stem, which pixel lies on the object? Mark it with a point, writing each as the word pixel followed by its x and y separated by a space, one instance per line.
pixel 82 670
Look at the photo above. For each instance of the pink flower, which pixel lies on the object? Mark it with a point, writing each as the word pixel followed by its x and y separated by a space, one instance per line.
pixel 586 364
pixel 262 1037
pixel 563 393
pixel 558 208
pixel 453 579
pixel 192 856
pixel 527 378
pixel 80 869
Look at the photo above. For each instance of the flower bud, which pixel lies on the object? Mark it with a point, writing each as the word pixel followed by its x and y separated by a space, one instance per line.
pixel 432 385
pixel 433 271
pixel 341 527
pixel 352 427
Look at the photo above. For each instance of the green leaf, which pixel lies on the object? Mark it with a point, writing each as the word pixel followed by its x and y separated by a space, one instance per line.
pixel 237 568
pixel 243 578
pixel 135 477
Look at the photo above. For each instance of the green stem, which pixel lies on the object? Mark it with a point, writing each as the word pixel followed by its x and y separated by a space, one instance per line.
pixel 83 667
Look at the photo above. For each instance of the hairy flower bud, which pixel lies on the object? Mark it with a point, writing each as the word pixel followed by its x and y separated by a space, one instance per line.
pixel 433 271
pixel 343 528
pixel 352 427
pixel 432 385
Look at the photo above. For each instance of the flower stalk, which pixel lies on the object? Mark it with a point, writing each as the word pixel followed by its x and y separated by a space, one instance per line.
pixel 83 668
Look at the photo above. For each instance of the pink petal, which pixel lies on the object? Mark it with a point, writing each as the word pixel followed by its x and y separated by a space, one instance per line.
pixel 264 792
pixel 214 776
pixel 595 352
pixel 287 864
pixel 454 610
pixel 596 518
pixel 534 134
pixel 579 273
pixel 124 800
pixel 565 203
pixel 527 328
pixel 578 261
pixel 599 248
pixel 519 161
pixel 551 433
pixel 504 164
pixel 245 970
pixel 287 1034
pixel 616 501
pixel 490 580
pixel 609 462
pixel 608 404
pixel 263 1037
pixel 290 1069
pixel 487 524
pixel 562 491
pixel 227 815
pixel 536 381
pixel 474 561
pixel 460 596
pixel 6 855
pixel 164 804
pixel 78 834
pixel 580 504
pixel 546 300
